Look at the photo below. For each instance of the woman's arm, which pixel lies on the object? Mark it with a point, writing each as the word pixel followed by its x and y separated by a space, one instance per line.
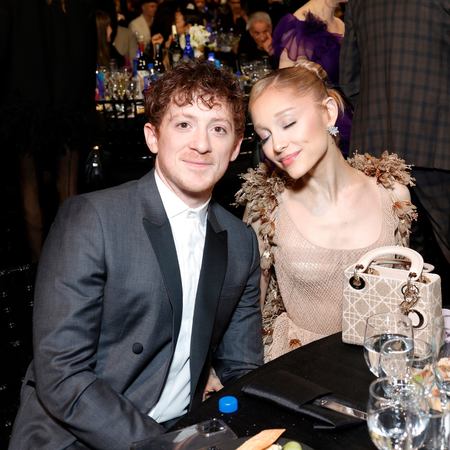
pixel 402 192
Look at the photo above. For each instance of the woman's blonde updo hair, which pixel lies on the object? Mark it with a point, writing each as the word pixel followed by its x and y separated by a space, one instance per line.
pixel 303 79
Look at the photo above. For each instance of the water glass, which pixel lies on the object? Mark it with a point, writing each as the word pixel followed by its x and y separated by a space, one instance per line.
pixel 243 62
pixel 441 353
pixel 379 329
pixel 437 436
pixel 397 419
pixel 395 357
pixel 421 364
pixel 404 358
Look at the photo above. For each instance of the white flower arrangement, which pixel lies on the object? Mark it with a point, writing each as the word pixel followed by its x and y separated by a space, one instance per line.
pixel 199 38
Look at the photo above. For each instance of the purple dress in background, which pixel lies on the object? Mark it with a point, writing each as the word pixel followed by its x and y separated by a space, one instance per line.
pixel 311 39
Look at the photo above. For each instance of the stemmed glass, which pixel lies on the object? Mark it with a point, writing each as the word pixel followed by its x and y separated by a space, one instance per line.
pixel 421 365
pixel 404 358
pixel 397 418
pixel 441 353
pixel 381 328
pixel 437 436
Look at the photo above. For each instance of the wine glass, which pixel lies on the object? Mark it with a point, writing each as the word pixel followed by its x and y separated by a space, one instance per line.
pixel 379 329
pixel 397 419
pixel 441 353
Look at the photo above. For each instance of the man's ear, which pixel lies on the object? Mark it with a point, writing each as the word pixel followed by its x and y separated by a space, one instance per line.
pixel 332 110
pixel 236 150
pixel 150 138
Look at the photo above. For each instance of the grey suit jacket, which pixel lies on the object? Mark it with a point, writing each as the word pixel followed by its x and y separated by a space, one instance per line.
pixel 107 314
pixel 395 67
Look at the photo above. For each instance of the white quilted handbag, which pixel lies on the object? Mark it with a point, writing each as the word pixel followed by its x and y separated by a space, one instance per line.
pixel 370 288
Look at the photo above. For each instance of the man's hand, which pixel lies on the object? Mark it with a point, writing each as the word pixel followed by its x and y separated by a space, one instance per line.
pixel 213 384
pixel 267 43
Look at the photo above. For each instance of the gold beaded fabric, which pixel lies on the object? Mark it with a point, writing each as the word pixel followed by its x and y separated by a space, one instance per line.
pixel 304 298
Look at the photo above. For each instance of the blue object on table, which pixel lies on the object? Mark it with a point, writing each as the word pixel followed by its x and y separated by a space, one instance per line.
pixel 228 404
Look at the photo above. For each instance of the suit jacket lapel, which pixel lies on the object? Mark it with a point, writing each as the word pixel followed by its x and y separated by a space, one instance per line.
pixel 159 232
pixel 212 275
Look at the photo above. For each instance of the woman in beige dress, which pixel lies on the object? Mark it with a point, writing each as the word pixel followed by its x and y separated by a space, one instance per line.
pixel 315 214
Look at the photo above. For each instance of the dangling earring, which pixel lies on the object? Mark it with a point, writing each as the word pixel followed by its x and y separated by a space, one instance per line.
pixel 333 130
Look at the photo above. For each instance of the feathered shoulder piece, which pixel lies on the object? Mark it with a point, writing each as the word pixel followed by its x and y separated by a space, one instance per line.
pixel 259 192
pixel 388 170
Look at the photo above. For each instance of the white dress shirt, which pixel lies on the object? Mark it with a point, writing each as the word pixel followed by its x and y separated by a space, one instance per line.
pixel 189 231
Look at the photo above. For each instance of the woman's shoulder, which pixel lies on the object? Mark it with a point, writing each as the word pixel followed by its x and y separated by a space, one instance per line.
pixel 305 23
pixel 390 171
pixel 309 19
pixel 392 174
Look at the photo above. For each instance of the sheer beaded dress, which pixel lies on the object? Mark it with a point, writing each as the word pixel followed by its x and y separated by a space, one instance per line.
pixel 310 280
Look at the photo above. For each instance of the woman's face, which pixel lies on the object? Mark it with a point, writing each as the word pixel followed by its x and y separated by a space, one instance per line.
pixel 293 130
pixel 179 23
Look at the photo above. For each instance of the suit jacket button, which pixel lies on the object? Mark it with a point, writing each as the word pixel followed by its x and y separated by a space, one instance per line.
pixel 137 348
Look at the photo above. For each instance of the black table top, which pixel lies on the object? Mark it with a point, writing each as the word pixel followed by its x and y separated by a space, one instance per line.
pixel 329 363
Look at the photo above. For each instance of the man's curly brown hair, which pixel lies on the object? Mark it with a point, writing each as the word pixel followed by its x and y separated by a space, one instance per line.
pixel 194 80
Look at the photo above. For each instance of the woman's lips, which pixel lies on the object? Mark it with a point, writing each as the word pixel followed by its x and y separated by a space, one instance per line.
pixel 288 160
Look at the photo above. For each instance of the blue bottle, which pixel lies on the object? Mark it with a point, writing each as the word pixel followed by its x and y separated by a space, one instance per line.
pixel 188 50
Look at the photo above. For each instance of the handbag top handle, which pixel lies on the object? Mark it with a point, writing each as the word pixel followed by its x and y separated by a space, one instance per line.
pixel 415 258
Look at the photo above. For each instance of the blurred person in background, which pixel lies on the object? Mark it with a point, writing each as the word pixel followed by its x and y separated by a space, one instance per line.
pixel 163 21
pixel 142 24
pixel 185 19
pixel 275 8
pixel 124 46
pixel 397 74
pixel 46 114
pixel 255 42
pixel 130 9
pixel 204 10
pixel 235 20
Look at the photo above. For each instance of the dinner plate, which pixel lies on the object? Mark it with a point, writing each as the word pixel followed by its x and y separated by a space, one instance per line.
pixel 235 443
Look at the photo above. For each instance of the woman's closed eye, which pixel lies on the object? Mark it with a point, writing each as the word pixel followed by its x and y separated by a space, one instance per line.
pixel 263 140
pixel 289 125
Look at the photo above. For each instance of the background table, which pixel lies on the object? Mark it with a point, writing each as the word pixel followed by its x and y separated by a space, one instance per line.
pixel 328 363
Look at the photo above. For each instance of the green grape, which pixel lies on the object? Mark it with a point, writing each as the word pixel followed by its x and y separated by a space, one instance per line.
pixel 292 445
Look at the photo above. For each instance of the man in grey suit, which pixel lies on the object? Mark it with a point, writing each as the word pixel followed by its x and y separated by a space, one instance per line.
pixel 143 287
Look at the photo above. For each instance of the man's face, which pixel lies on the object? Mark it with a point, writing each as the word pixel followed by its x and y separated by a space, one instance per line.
pixel 235 6
pixel 194 146
pixel 200 4
pixel 260 32
pixel 149 9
